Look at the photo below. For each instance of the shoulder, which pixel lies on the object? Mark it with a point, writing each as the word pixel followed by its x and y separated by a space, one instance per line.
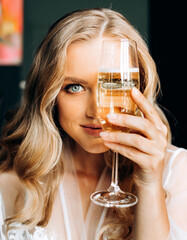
pixel 174 175
pixel 10 179
pixel 174 153
pixel 11 191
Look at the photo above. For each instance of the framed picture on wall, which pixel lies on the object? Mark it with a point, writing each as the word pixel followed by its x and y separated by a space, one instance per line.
pixel 11 32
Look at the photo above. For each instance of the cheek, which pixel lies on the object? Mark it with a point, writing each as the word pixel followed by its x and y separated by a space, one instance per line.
pixel 68 111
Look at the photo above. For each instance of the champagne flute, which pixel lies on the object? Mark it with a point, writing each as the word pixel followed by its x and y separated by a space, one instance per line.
pixel 118 73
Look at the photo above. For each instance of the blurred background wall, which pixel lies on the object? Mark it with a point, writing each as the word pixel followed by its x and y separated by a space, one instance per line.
pixel 151 18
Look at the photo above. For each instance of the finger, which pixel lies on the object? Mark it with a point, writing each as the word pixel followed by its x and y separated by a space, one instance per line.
pixel 148 110
pixel 138 124
pixel 132 140
pixel 131 153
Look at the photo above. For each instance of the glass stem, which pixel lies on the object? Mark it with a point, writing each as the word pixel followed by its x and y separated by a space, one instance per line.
pixel 114 183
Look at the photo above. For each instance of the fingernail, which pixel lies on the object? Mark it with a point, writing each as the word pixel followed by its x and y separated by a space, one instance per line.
pixel 135 90
pixel 112 116
pixel 104 134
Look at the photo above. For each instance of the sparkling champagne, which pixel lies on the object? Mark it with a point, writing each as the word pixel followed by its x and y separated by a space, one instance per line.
pixel 118 73
pixel 113 96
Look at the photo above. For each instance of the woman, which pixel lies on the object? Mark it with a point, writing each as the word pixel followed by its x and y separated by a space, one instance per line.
pixel 53 157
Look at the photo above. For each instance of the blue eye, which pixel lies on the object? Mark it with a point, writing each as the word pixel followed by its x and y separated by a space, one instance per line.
pixel 74 88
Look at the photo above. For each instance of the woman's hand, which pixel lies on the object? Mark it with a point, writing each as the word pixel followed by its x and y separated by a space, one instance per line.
pixel 146 146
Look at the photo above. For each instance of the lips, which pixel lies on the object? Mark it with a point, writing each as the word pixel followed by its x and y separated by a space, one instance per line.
pixel 92 129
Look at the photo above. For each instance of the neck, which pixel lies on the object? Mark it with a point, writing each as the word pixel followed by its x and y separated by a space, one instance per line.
pixel 87 163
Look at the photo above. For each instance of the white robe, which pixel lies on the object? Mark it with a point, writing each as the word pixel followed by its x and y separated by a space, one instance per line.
pixel 67 221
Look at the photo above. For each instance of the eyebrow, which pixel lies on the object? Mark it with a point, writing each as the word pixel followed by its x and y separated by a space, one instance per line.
pixel 75 80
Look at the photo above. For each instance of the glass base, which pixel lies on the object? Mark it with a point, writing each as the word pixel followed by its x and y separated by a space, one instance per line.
pixel 114 199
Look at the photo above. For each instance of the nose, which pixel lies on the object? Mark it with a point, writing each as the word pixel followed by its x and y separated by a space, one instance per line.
pixel 91 111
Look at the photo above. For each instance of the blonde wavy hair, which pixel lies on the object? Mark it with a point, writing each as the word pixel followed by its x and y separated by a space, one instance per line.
pixel 31 143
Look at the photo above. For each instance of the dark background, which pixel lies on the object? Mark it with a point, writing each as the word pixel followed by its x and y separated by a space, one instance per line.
pixel 161 25
pixel 167 31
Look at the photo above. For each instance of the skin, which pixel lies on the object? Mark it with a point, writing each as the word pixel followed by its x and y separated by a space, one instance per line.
pixel 75 109
pixel 146 150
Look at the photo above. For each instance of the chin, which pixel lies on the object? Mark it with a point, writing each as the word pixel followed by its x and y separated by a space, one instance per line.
pixel 94 146
pixel 96 149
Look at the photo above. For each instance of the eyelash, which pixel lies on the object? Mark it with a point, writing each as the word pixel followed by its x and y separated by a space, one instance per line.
pixel 67 88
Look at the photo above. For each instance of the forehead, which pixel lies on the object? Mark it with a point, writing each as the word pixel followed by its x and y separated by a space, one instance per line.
pixel 83 58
